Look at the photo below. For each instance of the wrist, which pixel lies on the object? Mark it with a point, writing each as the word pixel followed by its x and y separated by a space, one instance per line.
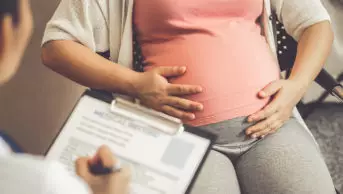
pixel 133 82
pixel 301 81
pixel 301 87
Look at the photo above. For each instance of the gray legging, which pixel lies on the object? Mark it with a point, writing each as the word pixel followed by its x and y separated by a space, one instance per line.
pixel 286 162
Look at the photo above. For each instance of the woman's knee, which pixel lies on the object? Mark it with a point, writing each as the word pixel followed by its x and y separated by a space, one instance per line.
pixel 286 162
pixel 217 176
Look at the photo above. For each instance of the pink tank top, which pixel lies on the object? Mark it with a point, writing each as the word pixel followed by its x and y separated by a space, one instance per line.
pixel 220 43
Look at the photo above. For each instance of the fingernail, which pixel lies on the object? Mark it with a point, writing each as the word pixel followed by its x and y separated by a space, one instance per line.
pixel 263 136
pixel 252 118
pixel 192 117
pixel 199 89
pixel 74 158
pixel 200 107
pixel 96 158
pixel 183 68
pixel 263 94
pixel 254 136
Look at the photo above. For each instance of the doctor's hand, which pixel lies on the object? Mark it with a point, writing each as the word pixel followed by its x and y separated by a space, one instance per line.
pixel 113 183
pixel 154 91
pixel 285 95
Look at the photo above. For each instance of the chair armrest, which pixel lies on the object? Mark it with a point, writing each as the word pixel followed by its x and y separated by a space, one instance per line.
pixel 325 80
pixel 338 92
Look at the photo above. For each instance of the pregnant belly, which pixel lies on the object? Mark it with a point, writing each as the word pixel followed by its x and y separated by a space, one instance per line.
pixel 230 72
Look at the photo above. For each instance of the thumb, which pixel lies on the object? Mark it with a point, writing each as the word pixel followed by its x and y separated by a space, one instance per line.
pixel 121 181
pixel 125 174
pixel 82 168
pixel 270 89
pixel 171 71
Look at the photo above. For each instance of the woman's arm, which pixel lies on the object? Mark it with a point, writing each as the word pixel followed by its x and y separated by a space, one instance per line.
pixel 78 30
pixel 87 68
pixel 308 22
pixel 80 64
pixel 298 16
pixel 313 49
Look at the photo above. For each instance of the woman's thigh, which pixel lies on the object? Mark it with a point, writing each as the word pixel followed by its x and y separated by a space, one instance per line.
pixel 287 162
pixel 217 176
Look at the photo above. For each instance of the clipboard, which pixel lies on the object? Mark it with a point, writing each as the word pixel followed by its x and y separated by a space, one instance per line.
pixel 130 109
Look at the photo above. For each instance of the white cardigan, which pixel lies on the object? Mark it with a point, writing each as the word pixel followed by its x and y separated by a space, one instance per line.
pixel 103 25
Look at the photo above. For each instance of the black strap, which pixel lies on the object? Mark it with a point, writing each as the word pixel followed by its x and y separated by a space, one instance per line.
pixel 286 46
pixel 138 58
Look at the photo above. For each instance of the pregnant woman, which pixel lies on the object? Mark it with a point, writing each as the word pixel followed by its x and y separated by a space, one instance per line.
pixel 209 63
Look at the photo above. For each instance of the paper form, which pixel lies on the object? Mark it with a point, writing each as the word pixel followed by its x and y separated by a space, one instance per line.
pixel 161 163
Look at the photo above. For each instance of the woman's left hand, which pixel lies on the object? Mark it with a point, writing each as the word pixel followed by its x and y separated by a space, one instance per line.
pixel 285 95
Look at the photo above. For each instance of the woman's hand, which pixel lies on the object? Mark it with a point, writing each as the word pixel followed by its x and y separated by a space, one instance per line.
pixel 313 49
pixel 154 91
pixel 114 183
pixel 286 94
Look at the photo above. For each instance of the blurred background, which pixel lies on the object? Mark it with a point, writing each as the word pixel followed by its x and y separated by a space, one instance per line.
pixel 37 101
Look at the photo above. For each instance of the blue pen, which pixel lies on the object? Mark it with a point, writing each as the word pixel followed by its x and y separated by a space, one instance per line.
pixel 99 169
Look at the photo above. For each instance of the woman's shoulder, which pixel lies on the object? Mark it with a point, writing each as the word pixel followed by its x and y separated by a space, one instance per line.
pixel 298 15
pixel 297 5
pixel 33 174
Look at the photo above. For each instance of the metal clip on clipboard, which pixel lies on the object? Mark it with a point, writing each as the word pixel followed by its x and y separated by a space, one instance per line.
pixel 165 123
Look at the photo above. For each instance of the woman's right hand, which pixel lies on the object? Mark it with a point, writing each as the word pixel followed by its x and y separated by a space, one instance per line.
pixel 154 91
